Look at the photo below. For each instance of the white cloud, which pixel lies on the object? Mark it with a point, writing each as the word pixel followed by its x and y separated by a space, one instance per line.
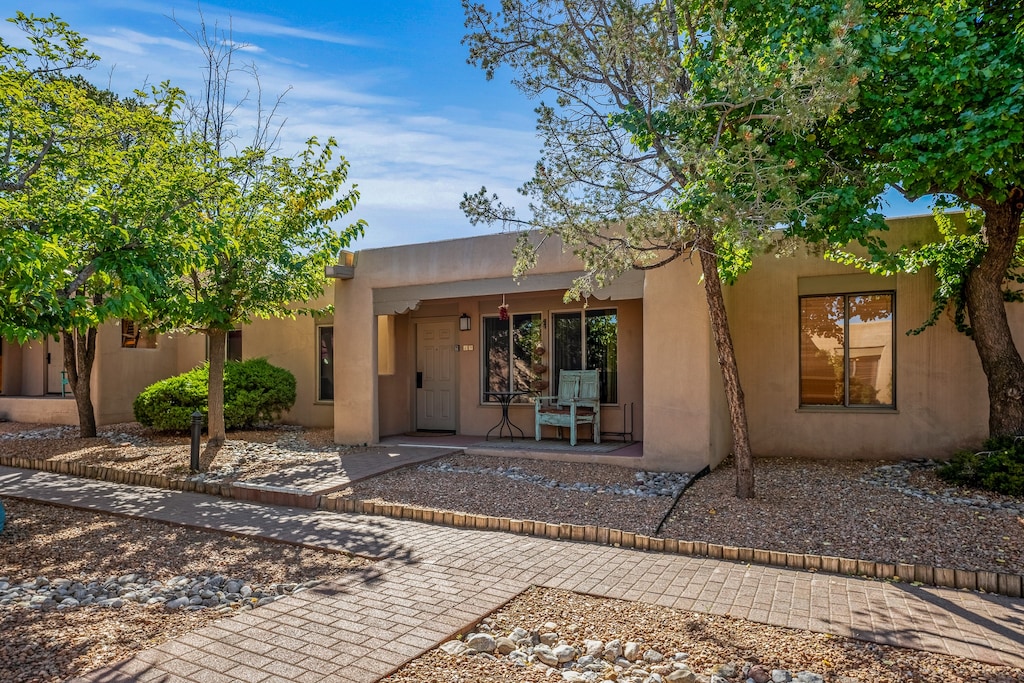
pixel 243 22
pixel 132 41
pixel 263 27
pixel 412 160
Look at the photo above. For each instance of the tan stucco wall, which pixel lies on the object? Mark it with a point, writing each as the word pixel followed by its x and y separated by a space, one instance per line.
pixel 189 350
pixel 291 343
pixel 120 374
pixel 397 397
pixel 39 409
pixel 941 402
pixel 33 368
pixel 683 400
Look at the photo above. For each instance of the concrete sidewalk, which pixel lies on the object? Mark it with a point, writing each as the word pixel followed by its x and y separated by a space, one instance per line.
pixel 432 582
pixel 335 473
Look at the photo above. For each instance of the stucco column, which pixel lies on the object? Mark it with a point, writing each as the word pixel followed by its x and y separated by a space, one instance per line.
pixel 680 402
pixel 355 363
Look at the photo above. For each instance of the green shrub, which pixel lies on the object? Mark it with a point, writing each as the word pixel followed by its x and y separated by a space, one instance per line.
pixel 254 392
pixel 169 404
pixel 998 468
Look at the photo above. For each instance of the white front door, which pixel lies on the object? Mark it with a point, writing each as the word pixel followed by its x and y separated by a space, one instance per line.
pixel 435 376
pixel 54 365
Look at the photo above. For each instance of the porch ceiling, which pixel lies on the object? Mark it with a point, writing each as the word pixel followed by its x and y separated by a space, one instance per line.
pixel 392 300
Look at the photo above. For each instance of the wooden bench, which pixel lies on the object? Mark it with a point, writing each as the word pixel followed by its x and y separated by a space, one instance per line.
pixel 578 402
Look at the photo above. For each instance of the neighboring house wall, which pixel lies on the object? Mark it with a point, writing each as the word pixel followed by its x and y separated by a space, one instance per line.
pixel 291 343
pixel 121 373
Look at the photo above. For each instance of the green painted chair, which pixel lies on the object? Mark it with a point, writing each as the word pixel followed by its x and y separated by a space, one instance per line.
pixel 578 402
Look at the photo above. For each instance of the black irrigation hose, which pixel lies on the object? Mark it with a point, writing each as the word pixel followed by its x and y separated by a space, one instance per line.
pixel 706 470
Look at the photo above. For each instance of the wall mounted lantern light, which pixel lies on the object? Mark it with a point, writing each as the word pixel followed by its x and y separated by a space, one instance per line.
pixel 465 323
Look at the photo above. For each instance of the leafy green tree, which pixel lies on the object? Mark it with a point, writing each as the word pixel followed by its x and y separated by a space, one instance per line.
pixel 266 223
pixel 37 105
pixel 93 184
pixel 657 146
pixel 939 113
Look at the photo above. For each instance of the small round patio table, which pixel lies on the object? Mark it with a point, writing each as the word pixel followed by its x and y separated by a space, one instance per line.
pixel 505 398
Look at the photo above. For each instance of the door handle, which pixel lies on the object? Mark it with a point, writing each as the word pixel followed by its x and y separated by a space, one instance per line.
pixel 419 380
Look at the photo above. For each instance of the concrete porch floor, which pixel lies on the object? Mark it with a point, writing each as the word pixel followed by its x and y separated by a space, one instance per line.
pixel 627 454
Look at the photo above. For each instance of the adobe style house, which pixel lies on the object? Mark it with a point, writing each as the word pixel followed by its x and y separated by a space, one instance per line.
pixel 422 341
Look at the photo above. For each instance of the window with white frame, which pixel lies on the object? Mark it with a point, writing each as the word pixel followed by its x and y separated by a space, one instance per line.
pixel 325 363
pixel 508 347
pixel 847 350
pixel 587 340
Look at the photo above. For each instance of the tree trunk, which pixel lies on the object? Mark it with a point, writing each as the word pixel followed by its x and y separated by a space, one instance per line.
pixel 215 397
pixel 730 370
pixel 79 354
pixel 986 309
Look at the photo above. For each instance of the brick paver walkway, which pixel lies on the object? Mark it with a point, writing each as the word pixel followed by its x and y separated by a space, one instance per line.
pixel 434 581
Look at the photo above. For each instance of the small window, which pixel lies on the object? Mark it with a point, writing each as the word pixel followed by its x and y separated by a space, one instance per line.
pixel 325 363
pixel 588 340
pixel 385 344
pixel 508 353
pixel 134 337
pixel 847 348
pixel 234 345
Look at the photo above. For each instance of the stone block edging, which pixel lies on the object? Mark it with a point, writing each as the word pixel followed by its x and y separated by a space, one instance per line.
pixel 1011 585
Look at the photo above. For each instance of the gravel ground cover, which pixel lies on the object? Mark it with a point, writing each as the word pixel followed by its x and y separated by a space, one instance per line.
pixel 856 509
pixel 835 508
pixel 49 645
pixel 490 493
pixel 132 447
pixel 711 645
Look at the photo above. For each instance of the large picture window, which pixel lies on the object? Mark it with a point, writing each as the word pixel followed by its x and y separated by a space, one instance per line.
pixel 847 350
pixel 588 340
pixel 325 363
pixel 508 353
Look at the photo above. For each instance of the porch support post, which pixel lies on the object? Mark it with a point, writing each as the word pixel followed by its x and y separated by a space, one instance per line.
pixel 355 363
pixel 686 424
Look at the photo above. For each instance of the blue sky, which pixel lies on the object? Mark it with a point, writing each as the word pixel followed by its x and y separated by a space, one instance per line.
pixel 388 80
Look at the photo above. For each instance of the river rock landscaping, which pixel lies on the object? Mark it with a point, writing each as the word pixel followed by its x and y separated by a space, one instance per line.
pixel 550 635
pixel 180 592
pixel 136 584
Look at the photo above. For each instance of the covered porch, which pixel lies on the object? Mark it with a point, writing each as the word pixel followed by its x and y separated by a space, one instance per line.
pixel 430 335
pixel 447 364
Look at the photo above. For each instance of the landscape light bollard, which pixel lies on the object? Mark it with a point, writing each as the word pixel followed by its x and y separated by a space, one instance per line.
pixel 197 428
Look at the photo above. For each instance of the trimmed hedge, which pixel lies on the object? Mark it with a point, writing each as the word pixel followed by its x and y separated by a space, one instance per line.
pixel 255 392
